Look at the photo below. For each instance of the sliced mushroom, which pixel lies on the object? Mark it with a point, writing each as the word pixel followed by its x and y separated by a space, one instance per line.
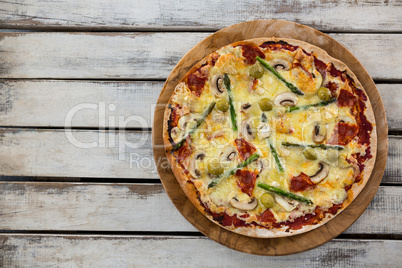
pixel 261 164
pixel 286 204
pixel 321 174
pixel 176 134
pixel 286 99
pixel 193 167
pixel 185 120
pixel 228 154
pixel 264 131
pixel 247 130
pixel 252 204
pixel 246 106
pixel 217 85
pixel 319 133
pixel 281 64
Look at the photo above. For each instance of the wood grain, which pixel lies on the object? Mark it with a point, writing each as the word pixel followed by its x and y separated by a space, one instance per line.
pixel 139 207
pixel 285 245
pixel 32 103
pixel 163 251
pixel 64 55
pixel 363 15
pixel 49 153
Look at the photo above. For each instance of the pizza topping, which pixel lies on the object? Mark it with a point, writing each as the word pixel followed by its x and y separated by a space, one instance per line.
pixel 324 93
pixel 183 155
pixel 310 154
pixel 276 157
pixel 286 99
pixel 217 85
pixel 285 203
pixel 250 52
pixel 193 165
pixel 196 81
pixel 198 123
pixel 292 87
pixel 343 133
pixel 322 173
pixel 265 104
pixel 301 183
pixel 247 130
pixel 276 45
pixel 228 154
pixel 284 193
pixel 336 73
pixel 222 105
pixel 319 133
pixel 246 181
pixel 256 71
pixel 226 80
pixel 244 206
pixel 245 148
pixel 264 131
pixel 267 200
pixel 245 106
pixel 261 164
pixel 187 121
pixel 215 168
pixel 176 134
pixel 346 99
pixel 243 164
pixel 281 64
pixel 321 146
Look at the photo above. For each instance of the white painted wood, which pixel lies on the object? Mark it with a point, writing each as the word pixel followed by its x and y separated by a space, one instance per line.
pixel 87 103
pixel 392 99
pixel 139 207
pixel 199 15
pixel 107 154
pixel 32 103
pixel 149 55
pixel 180 251
pixel 77 153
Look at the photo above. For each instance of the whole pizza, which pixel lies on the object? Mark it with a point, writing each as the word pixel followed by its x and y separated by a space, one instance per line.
pixel 270 137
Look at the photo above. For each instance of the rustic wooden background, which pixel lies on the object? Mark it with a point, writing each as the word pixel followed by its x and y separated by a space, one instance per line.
pixel 104 206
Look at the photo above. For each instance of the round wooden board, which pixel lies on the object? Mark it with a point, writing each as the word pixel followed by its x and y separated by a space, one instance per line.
pixel 270 246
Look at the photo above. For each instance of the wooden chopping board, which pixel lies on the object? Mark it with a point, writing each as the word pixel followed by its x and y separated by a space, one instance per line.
pixel 270 246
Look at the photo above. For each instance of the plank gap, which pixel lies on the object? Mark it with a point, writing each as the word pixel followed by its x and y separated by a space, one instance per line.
pixel 370 236
pixel 105 233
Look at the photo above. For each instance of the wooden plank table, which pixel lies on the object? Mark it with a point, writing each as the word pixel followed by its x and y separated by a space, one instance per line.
pixel 78 85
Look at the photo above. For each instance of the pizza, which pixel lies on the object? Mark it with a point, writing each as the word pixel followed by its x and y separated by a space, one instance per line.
pixel 270 137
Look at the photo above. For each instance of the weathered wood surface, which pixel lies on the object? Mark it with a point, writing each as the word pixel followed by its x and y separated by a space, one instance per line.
pixel 104 154
pixel 150 55
pixel 195 15
pixel 180 251
pixel 32 103
pixel 139 207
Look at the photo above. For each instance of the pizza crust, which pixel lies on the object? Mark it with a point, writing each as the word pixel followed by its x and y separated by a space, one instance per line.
pixel 258 232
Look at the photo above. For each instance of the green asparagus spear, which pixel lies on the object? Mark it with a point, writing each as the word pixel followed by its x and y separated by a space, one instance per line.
pixel 292 87
pixel 243 164
pixel 206 112
pixel 322 103
pixel 226 81
pixel 321 146
pixel 284 193
pixel 275 154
